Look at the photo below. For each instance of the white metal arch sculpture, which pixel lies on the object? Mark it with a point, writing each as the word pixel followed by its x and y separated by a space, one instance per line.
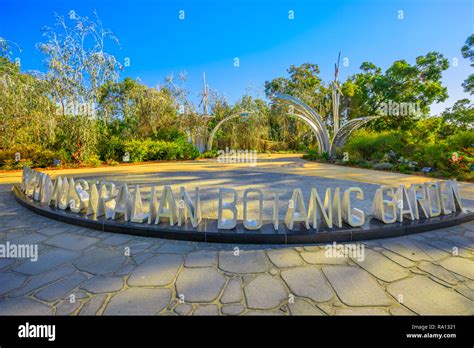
pixel 317 125
pixel 311 121
pixel 343 133
pixel 313 127
pixel 309 116
pixel 216 128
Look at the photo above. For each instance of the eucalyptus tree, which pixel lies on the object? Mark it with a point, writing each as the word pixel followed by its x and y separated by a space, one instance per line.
pixel 26 112
pixel 305 84
pixel 77 60
pixel 25 109
pixel 118 107
pixel 366 93
pixel 468 52
pixel 188 120
pixel 461 114
pixel 7 47
pixel 180 93
pixel 78 65
pixel 249 131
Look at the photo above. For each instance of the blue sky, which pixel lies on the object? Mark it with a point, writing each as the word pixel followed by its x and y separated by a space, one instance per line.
pixel 259 33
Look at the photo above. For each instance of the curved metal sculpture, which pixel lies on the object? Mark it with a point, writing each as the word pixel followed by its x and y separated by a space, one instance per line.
pixel 343 133
pixel 309 116
pixel 314 121
pixel 216 128
pixel 313 127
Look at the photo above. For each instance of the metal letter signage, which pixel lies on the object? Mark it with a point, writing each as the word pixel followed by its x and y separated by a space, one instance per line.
pixel 390 203
pixel 227 224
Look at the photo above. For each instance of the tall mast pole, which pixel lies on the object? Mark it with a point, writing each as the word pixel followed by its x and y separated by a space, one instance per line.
pixel 204 96
pixel 336 96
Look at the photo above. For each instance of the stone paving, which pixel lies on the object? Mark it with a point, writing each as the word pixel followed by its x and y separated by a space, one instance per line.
pixel 87 272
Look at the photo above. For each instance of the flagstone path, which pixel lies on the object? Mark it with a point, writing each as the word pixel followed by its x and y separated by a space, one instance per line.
pixel 87 272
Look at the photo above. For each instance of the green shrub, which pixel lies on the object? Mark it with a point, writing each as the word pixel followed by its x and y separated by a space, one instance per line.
pixel 112 162
pixel 64 156
pixel 170 135
pixel 149 150
pixel 77 136
pixel 313 155
pixel 411 165
pixel 432 155
pixel 12 164
pixel 111 148
pixel 209 154
pixel 373 146
pixel 137 149
pixel 32 155
pixel 389 157
pixel 383 166
pixel 364 164
pixel 93 161
pixel 461 140
pixel 465 176
pixel 405 168
pixel 189 151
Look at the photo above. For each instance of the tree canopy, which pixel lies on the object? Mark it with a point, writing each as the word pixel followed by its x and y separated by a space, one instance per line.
pixel 47 109
pixel 468 52
pixel 419 84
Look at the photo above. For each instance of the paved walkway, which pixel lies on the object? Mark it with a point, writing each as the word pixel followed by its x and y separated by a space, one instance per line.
pixel 81 271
